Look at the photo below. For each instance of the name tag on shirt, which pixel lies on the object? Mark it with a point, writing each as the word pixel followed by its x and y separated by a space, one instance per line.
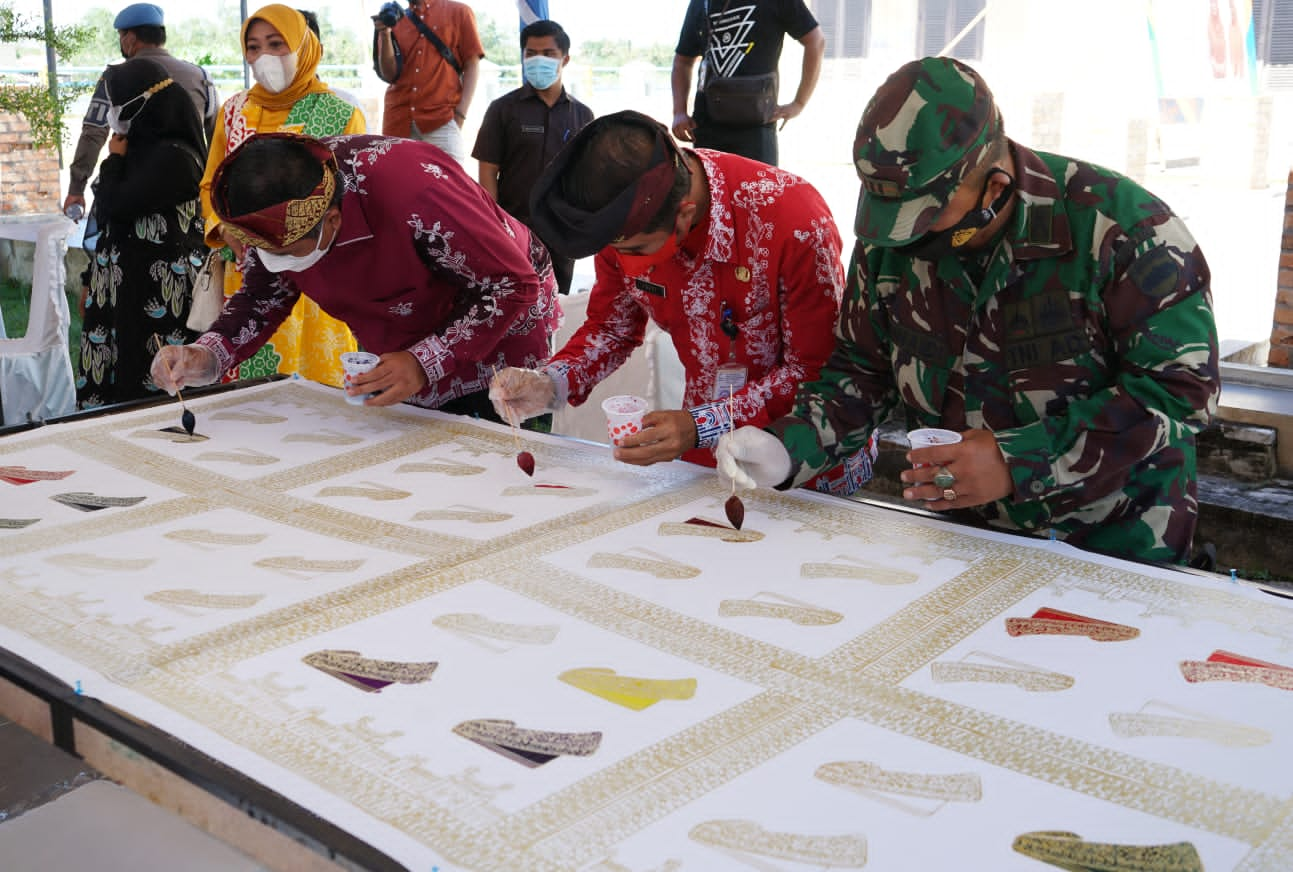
pixel 648 287
pixel 532 128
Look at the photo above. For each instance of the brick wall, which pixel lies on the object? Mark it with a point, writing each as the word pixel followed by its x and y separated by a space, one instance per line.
pixel 28 176
pixel 1282 328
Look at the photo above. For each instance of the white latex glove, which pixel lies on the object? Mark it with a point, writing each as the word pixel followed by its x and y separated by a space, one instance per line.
pixel 751 457
pixel 182 366
pixel 518 394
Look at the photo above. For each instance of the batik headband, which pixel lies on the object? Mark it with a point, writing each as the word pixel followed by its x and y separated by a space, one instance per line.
pixel 577 232
pixel 280 224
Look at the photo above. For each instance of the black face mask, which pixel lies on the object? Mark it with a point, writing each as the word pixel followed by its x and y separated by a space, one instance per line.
pixel 955 240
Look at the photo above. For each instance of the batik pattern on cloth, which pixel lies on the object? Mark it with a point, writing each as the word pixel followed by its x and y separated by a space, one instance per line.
pixel 588 712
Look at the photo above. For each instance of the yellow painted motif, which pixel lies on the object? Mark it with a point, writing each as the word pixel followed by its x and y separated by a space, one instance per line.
pixel 633 693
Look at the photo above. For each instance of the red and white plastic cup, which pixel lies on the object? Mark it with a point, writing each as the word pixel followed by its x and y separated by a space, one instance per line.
pixel 623 416
pixel 928 436
pixel 356 363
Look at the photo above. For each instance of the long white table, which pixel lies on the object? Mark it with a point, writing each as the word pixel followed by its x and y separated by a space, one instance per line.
pixel 835 685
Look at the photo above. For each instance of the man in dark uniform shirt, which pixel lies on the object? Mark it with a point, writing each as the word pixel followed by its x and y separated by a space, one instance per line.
pixel 524 129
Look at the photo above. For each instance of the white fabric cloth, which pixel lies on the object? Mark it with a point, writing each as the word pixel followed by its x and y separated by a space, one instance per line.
pixel 654 373
pixel 35 371
pixel 831 678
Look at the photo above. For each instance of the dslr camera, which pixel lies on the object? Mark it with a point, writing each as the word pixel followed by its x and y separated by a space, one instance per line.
pixel 389 14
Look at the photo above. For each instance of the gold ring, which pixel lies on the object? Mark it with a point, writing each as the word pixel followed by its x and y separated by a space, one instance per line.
pixel 949 494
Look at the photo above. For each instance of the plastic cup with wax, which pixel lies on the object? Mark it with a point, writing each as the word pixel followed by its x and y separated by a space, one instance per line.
pixel 623 416
pixel 928 436
pixel 355 363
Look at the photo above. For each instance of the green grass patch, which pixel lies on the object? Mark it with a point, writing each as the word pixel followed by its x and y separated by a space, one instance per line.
pixel 15 306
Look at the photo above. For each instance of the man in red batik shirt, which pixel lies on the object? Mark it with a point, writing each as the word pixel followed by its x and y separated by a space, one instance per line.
pixel 738 261
pixel 388 236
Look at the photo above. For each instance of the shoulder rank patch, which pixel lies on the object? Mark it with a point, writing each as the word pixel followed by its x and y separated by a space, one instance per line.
pixel 1156 273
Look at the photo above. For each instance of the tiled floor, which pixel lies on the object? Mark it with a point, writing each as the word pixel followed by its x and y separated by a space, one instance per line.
pixel 56 814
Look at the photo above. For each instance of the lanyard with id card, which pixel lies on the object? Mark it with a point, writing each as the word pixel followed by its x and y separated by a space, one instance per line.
pixel 731 376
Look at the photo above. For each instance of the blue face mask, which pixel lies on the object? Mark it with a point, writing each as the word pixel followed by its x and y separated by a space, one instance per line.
pixel 541 72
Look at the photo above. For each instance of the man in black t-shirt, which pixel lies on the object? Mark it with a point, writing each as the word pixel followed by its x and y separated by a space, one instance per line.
pixel 741 38
pixel 524 129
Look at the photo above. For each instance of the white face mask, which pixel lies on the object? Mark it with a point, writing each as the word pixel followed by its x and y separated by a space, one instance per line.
pixel 115 124
pixel 277 263
pixel 274 72
pixel 122 128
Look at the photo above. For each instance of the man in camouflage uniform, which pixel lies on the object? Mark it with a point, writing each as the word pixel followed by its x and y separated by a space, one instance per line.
pixel 1053 312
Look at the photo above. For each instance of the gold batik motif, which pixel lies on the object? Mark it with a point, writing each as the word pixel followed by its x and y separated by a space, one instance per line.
pixel 443 466
pixel 654 563
pixel 476 627
pixel 1070 851
pixel 223 677
pixel 744 836
pixel 776 605
pixel 894 788
pixel 985 667
pixel 859 569
pixel 1160 719
pixel 197 599
pixel 707 529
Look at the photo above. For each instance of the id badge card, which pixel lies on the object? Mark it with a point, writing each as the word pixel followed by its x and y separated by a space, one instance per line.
pixel 729 379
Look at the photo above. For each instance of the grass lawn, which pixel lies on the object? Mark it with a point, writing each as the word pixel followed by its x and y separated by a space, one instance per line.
pixel 15 304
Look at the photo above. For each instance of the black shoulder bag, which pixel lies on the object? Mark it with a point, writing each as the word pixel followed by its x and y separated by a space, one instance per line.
pixel 443 49
pixel 435 41
pixel 741 101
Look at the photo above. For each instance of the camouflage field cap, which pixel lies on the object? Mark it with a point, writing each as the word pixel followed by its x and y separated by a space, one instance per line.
pixel 925 128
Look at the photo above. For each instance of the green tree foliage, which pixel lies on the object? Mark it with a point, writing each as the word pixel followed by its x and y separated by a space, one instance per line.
pixel 502 44
pixel 213 41
pixel 38 100
pixel 503 47
pixel 617 52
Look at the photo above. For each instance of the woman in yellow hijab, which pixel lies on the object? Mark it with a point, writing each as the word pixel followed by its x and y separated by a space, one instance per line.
pixel 284 55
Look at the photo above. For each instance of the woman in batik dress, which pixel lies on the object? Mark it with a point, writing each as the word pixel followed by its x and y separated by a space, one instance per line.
pixel 140 280
pixel 284 56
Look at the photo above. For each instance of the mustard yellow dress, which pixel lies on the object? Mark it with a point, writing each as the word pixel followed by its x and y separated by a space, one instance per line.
pixel 309 340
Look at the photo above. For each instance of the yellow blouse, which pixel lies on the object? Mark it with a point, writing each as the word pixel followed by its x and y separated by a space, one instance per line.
pixel 309 341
